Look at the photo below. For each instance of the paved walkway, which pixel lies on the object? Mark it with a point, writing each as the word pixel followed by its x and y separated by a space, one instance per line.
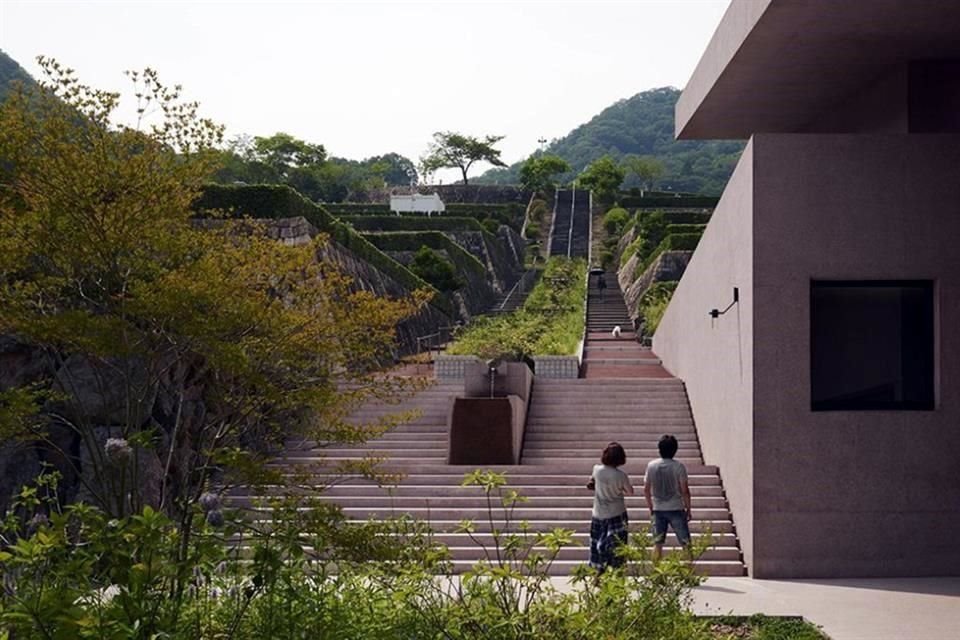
pixel 852 609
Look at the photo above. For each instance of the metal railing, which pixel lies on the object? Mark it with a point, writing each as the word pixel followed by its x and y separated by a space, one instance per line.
pixel 524 284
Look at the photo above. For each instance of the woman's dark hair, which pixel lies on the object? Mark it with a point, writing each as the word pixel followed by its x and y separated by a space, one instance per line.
pixel 614 455
pixel 667 446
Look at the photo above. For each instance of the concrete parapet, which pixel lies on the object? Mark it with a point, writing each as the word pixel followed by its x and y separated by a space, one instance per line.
pixel 452 367
pixel 557 366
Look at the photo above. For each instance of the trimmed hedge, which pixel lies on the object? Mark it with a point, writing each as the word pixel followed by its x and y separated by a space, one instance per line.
pixel 411 223
pixel 678 242
pixel 681 229
pixel 280 201
pixel 510 214
pixel 669 201
pixel 413 240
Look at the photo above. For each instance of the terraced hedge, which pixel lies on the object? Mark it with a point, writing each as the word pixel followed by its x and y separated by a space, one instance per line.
pixel 510 214
pixel 681 229
pixel 676 242
pixel 413 223
pixel 413 240
pixel 630 201
pixel 280 201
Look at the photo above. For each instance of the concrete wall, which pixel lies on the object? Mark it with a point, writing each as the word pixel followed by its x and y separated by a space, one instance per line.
pixel 868 493
pixel 715 357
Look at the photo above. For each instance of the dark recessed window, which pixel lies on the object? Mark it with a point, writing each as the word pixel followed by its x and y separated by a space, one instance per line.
pixel 871 345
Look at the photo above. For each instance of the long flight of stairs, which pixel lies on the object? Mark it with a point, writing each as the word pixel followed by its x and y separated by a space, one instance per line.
pixel 570 235
pixel 624 395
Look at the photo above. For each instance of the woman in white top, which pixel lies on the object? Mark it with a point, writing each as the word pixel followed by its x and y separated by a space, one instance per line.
pixel 608 527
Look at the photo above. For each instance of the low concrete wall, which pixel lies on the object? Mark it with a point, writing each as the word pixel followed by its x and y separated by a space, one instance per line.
pixel 452 367
pixel 557 366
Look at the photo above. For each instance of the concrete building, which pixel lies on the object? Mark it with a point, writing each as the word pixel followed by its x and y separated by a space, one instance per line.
pixel 829 392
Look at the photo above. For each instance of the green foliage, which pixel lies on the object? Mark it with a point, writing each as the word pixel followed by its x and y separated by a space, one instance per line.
pixel 667 201
pixel 615 220
pixel 305 167
pixel 603 177
pixel 11 73
pixel 550 322
pixel 642 125
pixel 414 240
pixel 451 150
pixel 510 214
pixel 491 225
pixel 532 231
pixel 678 229
pixel 653 303
pixel 650 228
pixel 415 223
pixel 606 259
pixel 430 265
pixel 538 210
pixel 106 275
pixel 537 173
pixel 277 201
pixel 647 169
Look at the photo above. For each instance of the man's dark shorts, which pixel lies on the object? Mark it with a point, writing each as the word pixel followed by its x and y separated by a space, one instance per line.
pixel 677 521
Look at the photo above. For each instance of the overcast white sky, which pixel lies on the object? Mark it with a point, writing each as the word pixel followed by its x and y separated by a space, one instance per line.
pixel 365 78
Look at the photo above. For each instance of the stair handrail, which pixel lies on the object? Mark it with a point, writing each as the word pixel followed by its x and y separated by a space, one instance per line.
pixel 573 208
pixel 553 222
pixel 520 286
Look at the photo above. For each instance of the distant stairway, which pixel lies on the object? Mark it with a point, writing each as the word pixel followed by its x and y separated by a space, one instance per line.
pixel 570 234
pixel 606 355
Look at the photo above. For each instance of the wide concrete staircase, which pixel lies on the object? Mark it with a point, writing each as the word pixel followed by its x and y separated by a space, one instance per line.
pixel 570 421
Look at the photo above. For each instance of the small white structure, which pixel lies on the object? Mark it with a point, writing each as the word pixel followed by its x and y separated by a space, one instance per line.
pixel 417 203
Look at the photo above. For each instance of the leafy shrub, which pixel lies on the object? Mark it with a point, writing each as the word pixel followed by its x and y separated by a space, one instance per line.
pixel 549 323
pixel 411 223
pixel 653 303
pixel 681 229
pixel 430 265
pixel 538 210
pixel 491 225
pixel 606 259
pixel 532 231
pixel 651 227
pixel 615 220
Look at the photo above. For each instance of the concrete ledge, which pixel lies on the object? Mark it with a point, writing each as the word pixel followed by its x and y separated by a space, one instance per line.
pixel 452 367
pixel 557 366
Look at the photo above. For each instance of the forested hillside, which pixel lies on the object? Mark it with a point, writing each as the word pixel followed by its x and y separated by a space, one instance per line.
pixel 642 126
pixel 10 72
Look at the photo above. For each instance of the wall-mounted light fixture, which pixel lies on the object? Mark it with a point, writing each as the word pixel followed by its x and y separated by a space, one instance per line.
pixel 716 313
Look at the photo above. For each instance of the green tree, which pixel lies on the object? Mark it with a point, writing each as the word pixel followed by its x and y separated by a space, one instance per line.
pixel 537 172
pixel 451 150
pixel 647 169
pixel 176 350
pixel 283 152
pixel 603 176
pixel 433 268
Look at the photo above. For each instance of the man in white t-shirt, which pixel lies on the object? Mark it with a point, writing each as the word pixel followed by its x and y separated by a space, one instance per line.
pixel 667 491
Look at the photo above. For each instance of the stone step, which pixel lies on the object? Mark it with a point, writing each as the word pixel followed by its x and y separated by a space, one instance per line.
pixel 518 474
pixel 440 490
pixel 718 540
pixel 717 568
pixel 709 505
pixel 581 553
pixel 553 482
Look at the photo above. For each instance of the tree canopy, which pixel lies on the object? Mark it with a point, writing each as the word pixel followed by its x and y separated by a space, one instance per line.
pixel 451 150
pixel 642 125
pixel 603 176
pixel 184 341
pixel 537 172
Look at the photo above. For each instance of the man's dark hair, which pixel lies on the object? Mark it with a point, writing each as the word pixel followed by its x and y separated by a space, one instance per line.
pixel 667 446
pixel 614 455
